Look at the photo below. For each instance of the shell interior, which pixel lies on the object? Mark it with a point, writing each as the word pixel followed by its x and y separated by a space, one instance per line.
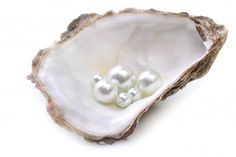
pixel 168 45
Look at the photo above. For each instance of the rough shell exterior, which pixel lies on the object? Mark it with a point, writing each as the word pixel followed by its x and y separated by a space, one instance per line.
pixel 206 27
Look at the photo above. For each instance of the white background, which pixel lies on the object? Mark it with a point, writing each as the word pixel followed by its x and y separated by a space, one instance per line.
pixel 199 121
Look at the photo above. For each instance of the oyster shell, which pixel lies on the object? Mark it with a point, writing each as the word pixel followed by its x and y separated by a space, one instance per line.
pixel 180 47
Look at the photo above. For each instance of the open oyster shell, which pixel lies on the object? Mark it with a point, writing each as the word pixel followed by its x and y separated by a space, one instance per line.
pixel 180 47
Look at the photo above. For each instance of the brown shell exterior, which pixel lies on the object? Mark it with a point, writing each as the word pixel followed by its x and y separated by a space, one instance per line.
pixel 206 27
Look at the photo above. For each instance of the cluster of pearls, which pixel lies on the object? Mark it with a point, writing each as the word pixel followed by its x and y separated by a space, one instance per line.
pixel 123 88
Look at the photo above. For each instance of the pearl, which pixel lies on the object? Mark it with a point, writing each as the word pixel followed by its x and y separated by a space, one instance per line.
pixel 105 91
pixel 97 78
pixel 122 77
pixel 123 100
pixel 135 93
pixel 149 82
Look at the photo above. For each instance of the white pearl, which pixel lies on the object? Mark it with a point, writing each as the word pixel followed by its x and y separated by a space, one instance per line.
pixel 123 100
pixel 135 93
pixel 122 77
pixel 105 92
pixel 97 78
pixel 149 82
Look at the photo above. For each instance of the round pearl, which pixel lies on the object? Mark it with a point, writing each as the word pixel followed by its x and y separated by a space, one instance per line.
pixel 122 77
pixel 123 100
pixel 149 82
pixel 97 78
pixel 105 92
pixel 135 93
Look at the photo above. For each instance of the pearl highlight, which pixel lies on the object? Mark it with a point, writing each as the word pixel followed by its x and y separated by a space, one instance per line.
pixel 105 91
pixel 123 100
pixel 149 82
pixel 121 77
pixel 97 78
pixel 135 93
